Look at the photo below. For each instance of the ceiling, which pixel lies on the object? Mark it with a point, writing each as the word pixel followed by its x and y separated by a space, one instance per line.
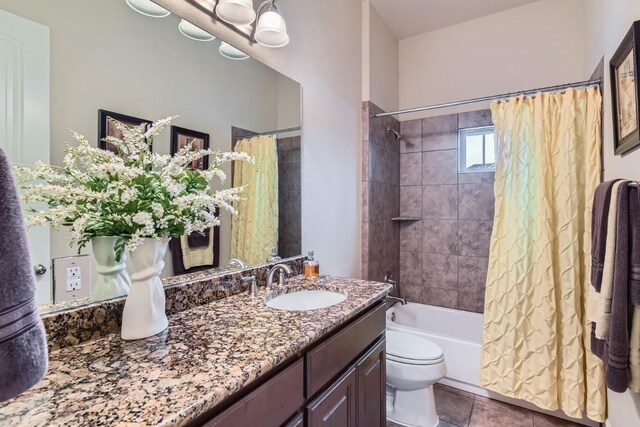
pixel 408 18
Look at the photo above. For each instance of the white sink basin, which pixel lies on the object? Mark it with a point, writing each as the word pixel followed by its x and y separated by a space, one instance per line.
pixel 306 300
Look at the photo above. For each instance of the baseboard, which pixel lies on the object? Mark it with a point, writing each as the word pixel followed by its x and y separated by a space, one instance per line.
pixel 516 402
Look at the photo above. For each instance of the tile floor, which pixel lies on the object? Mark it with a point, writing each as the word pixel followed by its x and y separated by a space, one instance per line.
pixel 457 408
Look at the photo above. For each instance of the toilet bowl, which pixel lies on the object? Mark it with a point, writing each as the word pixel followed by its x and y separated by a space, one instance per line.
pixel 414 364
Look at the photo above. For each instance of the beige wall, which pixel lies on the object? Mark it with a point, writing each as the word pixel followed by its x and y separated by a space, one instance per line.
pixel 325 57
pixel 380 48
pixel 607 22
pixel 531 46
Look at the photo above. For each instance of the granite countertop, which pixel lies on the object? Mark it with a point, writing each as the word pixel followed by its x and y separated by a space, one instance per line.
pixel 207 354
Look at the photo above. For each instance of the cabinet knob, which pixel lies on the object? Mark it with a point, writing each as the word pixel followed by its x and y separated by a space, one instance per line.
pixel 39 269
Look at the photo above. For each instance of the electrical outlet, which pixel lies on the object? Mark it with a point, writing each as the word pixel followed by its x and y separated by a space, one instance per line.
pixel 71 278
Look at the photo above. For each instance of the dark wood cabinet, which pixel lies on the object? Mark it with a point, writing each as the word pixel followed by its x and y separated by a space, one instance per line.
pixel 337 406
pixel 339 382
pixel 270 405
pixel 297 421
pixel 371 387
pixel 331 357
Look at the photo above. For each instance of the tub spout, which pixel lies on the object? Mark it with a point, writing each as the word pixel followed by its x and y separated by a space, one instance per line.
pixel 398 299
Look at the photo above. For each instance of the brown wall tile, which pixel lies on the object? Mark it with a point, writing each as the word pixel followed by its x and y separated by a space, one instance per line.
pixel 440 202
pixel 440 271
pixel 471 301
pixel 476 178
pixel 440 237
pixel 411 140
pixel 472 273
pixel 441 297
pixel 411 201
pixel 440 133
pixel 412 293
pixel 411 236
pixel 411 169
pixel 474 237
pixel 474 119
pixel 476 201
pixel 440 167
pixel 411 268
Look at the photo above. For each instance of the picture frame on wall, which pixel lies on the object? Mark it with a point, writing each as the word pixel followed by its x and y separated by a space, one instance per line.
pixel 625 93
pixel 207 244
pixel 107 127
pixel 181 137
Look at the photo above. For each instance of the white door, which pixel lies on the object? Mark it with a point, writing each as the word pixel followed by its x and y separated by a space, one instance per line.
pixel 24 115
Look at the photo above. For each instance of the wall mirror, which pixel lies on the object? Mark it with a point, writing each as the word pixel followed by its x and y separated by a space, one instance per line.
pixel 83 64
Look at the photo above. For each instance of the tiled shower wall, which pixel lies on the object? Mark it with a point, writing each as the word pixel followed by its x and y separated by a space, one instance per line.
pixel 443 256
pixel 380 196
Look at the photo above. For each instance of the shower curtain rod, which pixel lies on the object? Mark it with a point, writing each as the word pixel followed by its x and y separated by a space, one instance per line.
pixel 490 98
pixel 275 132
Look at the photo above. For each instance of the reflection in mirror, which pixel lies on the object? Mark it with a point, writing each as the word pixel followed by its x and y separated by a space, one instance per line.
pixel 89 64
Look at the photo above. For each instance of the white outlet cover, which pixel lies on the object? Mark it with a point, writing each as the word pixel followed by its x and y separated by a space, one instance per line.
pixel 71 278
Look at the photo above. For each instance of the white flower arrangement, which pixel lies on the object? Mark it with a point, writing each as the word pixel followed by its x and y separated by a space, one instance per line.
pixel 132 194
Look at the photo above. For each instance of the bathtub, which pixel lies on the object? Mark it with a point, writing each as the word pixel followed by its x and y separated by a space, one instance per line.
pixel 459 335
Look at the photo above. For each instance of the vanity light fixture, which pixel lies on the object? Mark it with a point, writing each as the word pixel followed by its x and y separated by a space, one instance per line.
pixel 194 32
pixel 148 8
pixel 231 52
pixel 236 12
pixel 271 30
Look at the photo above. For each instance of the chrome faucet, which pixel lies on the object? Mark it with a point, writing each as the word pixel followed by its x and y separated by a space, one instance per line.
pixel 402 301
pixel 283 269
pixel 394 286
pixel 238 262
pixel 252 285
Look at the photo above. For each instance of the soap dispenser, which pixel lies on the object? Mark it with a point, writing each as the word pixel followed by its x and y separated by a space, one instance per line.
pixel 311 266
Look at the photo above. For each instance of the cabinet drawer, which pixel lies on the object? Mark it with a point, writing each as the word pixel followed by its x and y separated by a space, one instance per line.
pixel 297 421
pixel 270 405
pixel 371 382
pixel 336 406
pixel 329 358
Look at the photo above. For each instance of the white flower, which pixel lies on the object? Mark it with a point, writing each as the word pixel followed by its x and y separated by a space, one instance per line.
pixel 157 209
pixel 133 194
pixel 142 218
pixel 129 194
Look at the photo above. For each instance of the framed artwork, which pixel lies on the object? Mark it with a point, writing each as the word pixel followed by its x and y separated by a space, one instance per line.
pixel 207 245
pixel 181 137
pixel 625 93
pixel 107 126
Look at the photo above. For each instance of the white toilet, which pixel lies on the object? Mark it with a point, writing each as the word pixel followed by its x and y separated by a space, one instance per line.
pixel 414 364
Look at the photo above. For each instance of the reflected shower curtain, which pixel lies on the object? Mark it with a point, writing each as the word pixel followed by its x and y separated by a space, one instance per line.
pixel 254 230
pixel 536 331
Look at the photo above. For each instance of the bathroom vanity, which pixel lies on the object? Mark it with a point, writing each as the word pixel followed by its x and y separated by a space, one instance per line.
pixel 338 381
pixel 230 362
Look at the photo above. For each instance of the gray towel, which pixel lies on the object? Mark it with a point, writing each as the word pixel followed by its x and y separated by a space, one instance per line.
pixel 23 346
pixel 615 351
pixel 601 203
pixel 634 250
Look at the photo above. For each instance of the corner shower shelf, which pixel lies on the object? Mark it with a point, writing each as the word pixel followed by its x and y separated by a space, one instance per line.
pixel 406 218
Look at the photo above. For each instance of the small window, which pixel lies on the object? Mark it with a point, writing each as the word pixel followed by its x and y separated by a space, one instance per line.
pixel 477 150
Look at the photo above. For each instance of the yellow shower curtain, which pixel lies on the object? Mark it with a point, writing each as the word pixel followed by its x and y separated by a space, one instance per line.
pixel 254 231
pixel 536 331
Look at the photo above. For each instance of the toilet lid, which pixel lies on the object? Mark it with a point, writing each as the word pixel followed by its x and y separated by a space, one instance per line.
pixel 412 347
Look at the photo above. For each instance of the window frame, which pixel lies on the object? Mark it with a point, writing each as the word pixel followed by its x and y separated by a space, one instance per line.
pixel 462 147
